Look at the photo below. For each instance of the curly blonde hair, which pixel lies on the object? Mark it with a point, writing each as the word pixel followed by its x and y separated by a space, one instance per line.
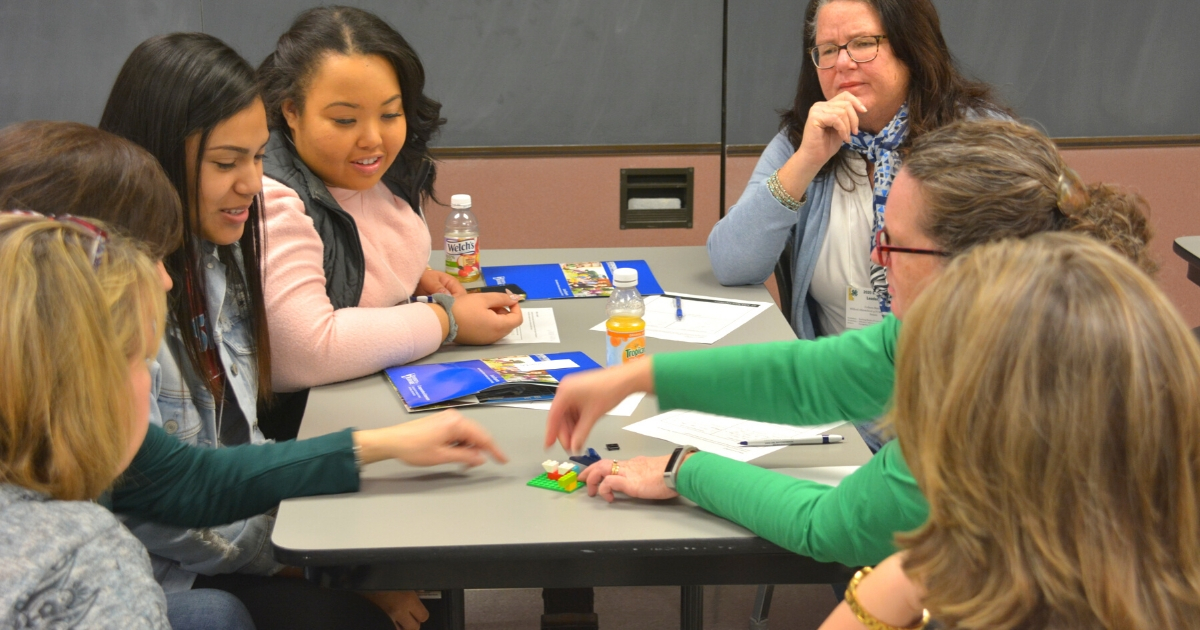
pixel 1047 403
pixel 68 330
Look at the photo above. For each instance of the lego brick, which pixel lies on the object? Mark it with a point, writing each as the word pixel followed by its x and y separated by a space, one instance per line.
pixel 566 467
pixel 569 481
pixel 542 482
pixel 613 447
pixel 550 465
pixel 553 476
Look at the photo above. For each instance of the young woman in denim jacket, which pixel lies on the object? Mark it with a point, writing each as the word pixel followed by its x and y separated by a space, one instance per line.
pixel 192 102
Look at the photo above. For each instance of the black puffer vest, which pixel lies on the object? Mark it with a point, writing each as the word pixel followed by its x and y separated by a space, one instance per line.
pixel 343 259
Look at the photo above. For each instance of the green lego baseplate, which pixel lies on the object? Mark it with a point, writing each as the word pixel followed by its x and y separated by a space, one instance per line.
pixel 544 482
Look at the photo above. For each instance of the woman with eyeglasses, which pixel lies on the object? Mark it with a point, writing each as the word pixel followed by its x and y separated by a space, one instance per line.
pixel 1047 404
pixel 876 76
pixel 963 185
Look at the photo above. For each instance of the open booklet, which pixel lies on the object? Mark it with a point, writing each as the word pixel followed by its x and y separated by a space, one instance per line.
pixel 520 378
pixel 570 280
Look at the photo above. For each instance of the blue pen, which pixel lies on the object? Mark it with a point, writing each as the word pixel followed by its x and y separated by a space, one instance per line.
pixel 678 308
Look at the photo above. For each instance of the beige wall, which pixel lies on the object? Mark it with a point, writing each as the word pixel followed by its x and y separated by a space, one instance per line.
pixel 546 202
pixel 543 202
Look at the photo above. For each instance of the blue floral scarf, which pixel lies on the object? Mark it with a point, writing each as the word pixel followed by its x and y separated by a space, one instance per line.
pixel 881 150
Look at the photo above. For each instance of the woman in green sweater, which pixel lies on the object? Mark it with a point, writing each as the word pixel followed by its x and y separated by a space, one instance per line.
pixel 966 184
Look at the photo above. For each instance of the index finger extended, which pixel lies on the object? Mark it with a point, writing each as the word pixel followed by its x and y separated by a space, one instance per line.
pixel 471 433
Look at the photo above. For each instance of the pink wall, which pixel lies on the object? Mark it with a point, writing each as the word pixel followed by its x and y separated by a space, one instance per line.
pixel 1166 177
pixel 546 202
pixel 542 202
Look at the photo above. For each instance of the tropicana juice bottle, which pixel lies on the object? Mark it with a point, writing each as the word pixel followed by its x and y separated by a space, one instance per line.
pixel 626 328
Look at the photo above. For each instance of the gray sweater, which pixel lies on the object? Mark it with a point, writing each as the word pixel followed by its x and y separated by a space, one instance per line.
pixel 70 564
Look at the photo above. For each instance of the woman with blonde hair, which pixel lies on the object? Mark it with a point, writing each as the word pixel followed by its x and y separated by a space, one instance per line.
pixel 83 312
pixel 1046 402
pixel 963 185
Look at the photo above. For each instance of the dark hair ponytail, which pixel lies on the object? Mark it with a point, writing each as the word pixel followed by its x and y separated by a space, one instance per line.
pixel 170 88
pixel 286 74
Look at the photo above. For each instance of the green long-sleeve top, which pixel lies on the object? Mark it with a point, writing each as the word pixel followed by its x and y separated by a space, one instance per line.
pixel 173 483
pixel 848 377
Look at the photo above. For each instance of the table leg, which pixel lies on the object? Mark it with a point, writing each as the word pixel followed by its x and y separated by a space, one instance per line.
pixel 455 604
pixel 691 608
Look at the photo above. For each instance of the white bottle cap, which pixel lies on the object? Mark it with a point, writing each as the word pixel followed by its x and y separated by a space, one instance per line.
pixel 625 278
pixel 460 202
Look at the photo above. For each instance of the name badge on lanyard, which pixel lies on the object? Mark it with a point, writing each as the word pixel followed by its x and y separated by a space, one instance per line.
pixel 862 308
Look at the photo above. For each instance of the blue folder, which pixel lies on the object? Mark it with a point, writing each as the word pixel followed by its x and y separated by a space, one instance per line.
pixel 549 281
pixel 482 381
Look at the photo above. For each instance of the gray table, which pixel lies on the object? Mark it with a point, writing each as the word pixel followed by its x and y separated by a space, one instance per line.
pixel 443 528
pixel 1188 248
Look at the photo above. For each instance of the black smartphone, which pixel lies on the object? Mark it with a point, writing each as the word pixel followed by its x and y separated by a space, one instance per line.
pixel 501 288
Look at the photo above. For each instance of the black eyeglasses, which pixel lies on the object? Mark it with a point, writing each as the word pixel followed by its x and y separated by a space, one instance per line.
pixel 861 50
pixel 99 236
pixel 883 251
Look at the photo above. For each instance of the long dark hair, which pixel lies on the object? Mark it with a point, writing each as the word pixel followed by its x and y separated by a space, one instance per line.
pixel 286 74
pixel 171 87
pixel 55 167
pixel 937 92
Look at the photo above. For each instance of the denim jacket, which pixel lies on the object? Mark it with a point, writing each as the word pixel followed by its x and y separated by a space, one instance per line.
pixel 183 407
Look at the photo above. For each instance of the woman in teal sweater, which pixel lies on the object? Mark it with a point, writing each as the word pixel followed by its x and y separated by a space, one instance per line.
pixel 62 168
pixel 969 183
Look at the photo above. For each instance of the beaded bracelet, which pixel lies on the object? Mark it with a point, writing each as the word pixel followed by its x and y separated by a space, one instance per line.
pixel 866 618
pixel 781 195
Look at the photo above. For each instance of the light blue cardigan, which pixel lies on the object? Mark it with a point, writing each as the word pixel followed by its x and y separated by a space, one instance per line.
pixel 744 246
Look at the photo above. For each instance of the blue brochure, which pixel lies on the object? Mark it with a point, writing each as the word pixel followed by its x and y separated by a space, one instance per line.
pixel 485 381
pixel 570 280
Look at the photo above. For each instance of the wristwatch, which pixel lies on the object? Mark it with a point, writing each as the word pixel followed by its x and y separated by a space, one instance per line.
pixel 674 463
pixel 446 301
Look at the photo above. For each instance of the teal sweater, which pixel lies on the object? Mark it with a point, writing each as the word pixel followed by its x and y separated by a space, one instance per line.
pixel 848 377
pixel 173 483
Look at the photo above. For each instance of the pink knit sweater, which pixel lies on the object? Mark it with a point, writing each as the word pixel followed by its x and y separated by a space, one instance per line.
pixel 311 343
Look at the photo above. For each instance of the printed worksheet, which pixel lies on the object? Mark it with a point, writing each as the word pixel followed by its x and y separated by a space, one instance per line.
pixel 697 319
pixel 721 434
pixel 624 408
pixel 538 327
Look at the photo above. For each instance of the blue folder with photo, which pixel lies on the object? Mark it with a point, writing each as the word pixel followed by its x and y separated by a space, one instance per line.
pixel 522 378
pixel 570 280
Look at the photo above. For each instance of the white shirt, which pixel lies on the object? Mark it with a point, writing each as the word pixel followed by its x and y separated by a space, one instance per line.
pixel 845 258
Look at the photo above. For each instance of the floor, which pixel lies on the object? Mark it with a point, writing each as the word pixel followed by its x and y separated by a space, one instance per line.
pixel 802 607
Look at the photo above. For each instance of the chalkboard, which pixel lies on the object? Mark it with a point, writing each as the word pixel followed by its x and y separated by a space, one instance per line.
pixel 508 72
pixel 591 72
pixel 59 59
pixel 541 72
pixel 1077 68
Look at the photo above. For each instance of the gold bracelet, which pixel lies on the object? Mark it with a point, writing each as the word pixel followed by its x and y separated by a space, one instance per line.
pixel 866 618
pixel 781 194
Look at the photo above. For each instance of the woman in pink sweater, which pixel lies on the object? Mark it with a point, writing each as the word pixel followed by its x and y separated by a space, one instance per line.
pixel 346 168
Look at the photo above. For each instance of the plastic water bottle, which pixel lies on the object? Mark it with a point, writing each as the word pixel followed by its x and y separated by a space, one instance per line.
pixel 462 240
pixel 626 328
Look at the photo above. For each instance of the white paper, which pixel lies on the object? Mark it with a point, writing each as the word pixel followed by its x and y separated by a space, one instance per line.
pixel 538 326
pixel 705 319
pixel 625 408
pixel 538 366
pixel 828 475
pixel 720 435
